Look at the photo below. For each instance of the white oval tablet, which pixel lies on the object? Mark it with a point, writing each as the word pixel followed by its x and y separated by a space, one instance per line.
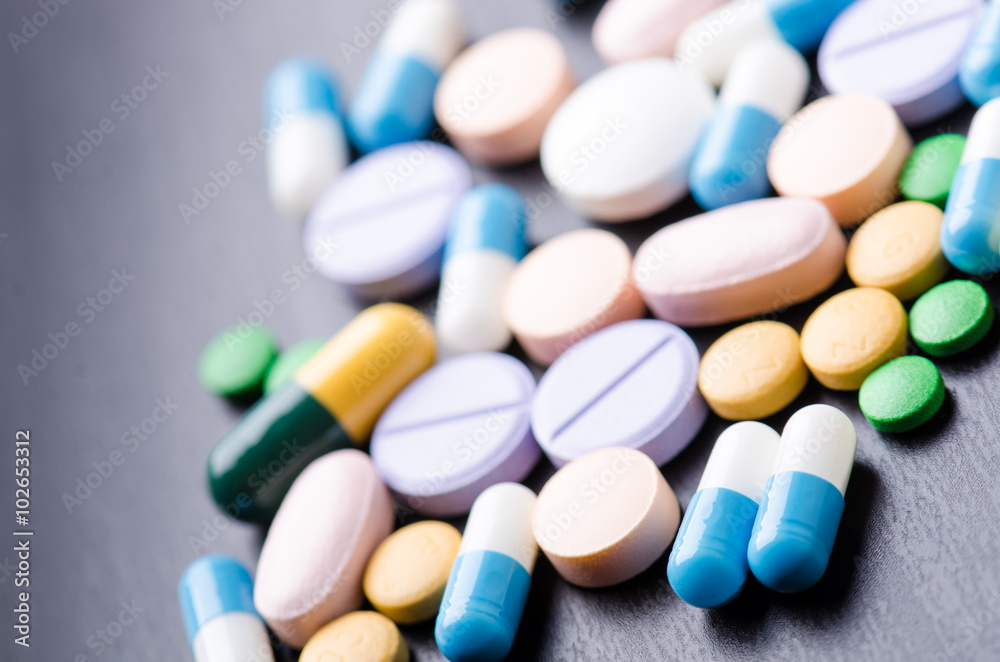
pixel 620 147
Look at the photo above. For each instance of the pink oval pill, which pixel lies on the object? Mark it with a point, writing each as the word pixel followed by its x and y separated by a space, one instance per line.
pixel 740 261
pixel 312 562
pixel 633 29
pixel 568 288
pixel 845 150
pixel 496 97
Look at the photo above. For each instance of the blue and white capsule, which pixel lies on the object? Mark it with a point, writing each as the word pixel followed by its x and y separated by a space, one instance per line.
pixel 491 577
pixel 711 43
pixel 708 563
pixel 395 101
pixel 970 232
pixel 979 73
pixel 485 243
pixel 308 147
pixel 216 597
pixel 765 85
pixel 803 501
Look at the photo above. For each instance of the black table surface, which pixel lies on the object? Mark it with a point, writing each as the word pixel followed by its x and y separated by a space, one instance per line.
pixel 915 573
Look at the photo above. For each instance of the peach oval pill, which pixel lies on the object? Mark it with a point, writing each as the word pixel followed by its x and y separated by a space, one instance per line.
pixel 845 150
pixel 739 261
pixel 753 371
pixel 605 517
pixel 851 334
pixel 568 288
pixel 332 519
pixel 406 575
pixel 496 97
pixel 361 636
pixel 899 250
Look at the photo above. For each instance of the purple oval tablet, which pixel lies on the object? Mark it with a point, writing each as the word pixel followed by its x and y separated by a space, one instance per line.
pixel 906 53
pixel 379 229
pixel 632 384
pixel 459 428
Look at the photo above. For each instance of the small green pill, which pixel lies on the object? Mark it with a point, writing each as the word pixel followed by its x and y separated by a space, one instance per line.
pixel 902 394
pixel 928 172
pixel 288 362
pixel 235 362
pixel 951 317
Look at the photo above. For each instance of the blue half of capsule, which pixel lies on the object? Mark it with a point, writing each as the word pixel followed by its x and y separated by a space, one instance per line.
pixel 212 586
pixel 980 70
pixel 489 217
pixel 803 23
pixel 300 86
pixel 970 232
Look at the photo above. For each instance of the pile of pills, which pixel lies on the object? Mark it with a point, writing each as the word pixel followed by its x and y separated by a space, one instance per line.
pixel 622 394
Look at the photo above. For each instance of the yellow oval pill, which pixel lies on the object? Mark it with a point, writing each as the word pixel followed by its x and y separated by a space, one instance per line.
pixel 361 636
pixel 851 334
pixel 753 371
pixel 899 250
pixel 406 575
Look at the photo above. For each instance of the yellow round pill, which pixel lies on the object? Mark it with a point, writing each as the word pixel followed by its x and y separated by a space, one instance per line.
pixel 753 371
pixel 361 636
pixel 899 250
pixel 406 575
pixel 851 334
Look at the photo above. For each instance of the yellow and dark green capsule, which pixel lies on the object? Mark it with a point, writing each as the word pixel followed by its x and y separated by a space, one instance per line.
pixel 332 402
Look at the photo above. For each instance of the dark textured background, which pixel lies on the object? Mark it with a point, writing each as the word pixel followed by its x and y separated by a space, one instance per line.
pixel 915 573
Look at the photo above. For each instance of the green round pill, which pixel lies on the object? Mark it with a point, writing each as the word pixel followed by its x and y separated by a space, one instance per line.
pixel 931 167
pixel 951 317
pixel 902 394
pixel 234 363
pixel 288 362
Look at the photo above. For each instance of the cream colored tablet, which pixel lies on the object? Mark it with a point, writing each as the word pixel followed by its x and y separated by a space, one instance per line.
pixel 406 575
pixel 605 517
pixel 496 97
pixel 899 250
pixel 753 371
pixel 634 29
pixel 361 636
pixel 851 334
pixel 621 145
pixel 845 150
pixel 568 288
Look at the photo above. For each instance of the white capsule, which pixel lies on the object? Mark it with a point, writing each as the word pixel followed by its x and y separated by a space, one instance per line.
pixel 308 148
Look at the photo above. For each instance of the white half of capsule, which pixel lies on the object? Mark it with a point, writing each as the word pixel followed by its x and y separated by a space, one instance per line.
pixel 711 43
pixel 235 636
pixel 500 521
pixel 742 459
pixel 307 153
pixel 984 134
pixel 818 440
pixel 768 75
pixel 431 31
pixel 468 316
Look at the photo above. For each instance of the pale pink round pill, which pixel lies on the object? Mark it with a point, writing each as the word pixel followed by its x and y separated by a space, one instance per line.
pixel 845 150
pixel 633 29
pixel 310 570
pixel 568 288
pixel 496 97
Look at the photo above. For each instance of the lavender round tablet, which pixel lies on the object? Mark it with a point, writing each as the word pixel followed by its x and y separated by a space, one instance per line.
pixel 632 384
pixel 379 229
pixel 459 428
pixel 906 53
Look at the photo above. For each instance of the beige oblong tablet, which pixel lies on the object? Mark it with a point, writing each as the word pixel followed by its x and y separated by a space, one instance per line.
pixel 899 250
pixel 406 575
pixel 605 517
pixel 851 334
pixel 496 97
pixel 332 519
pixel 568 288
pixel 845 150
pixel 753 371
pixel 361 636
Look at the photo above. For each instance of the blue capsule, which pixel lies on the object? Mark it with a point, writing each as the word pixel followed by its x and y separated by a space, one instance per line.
pixel 979 74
